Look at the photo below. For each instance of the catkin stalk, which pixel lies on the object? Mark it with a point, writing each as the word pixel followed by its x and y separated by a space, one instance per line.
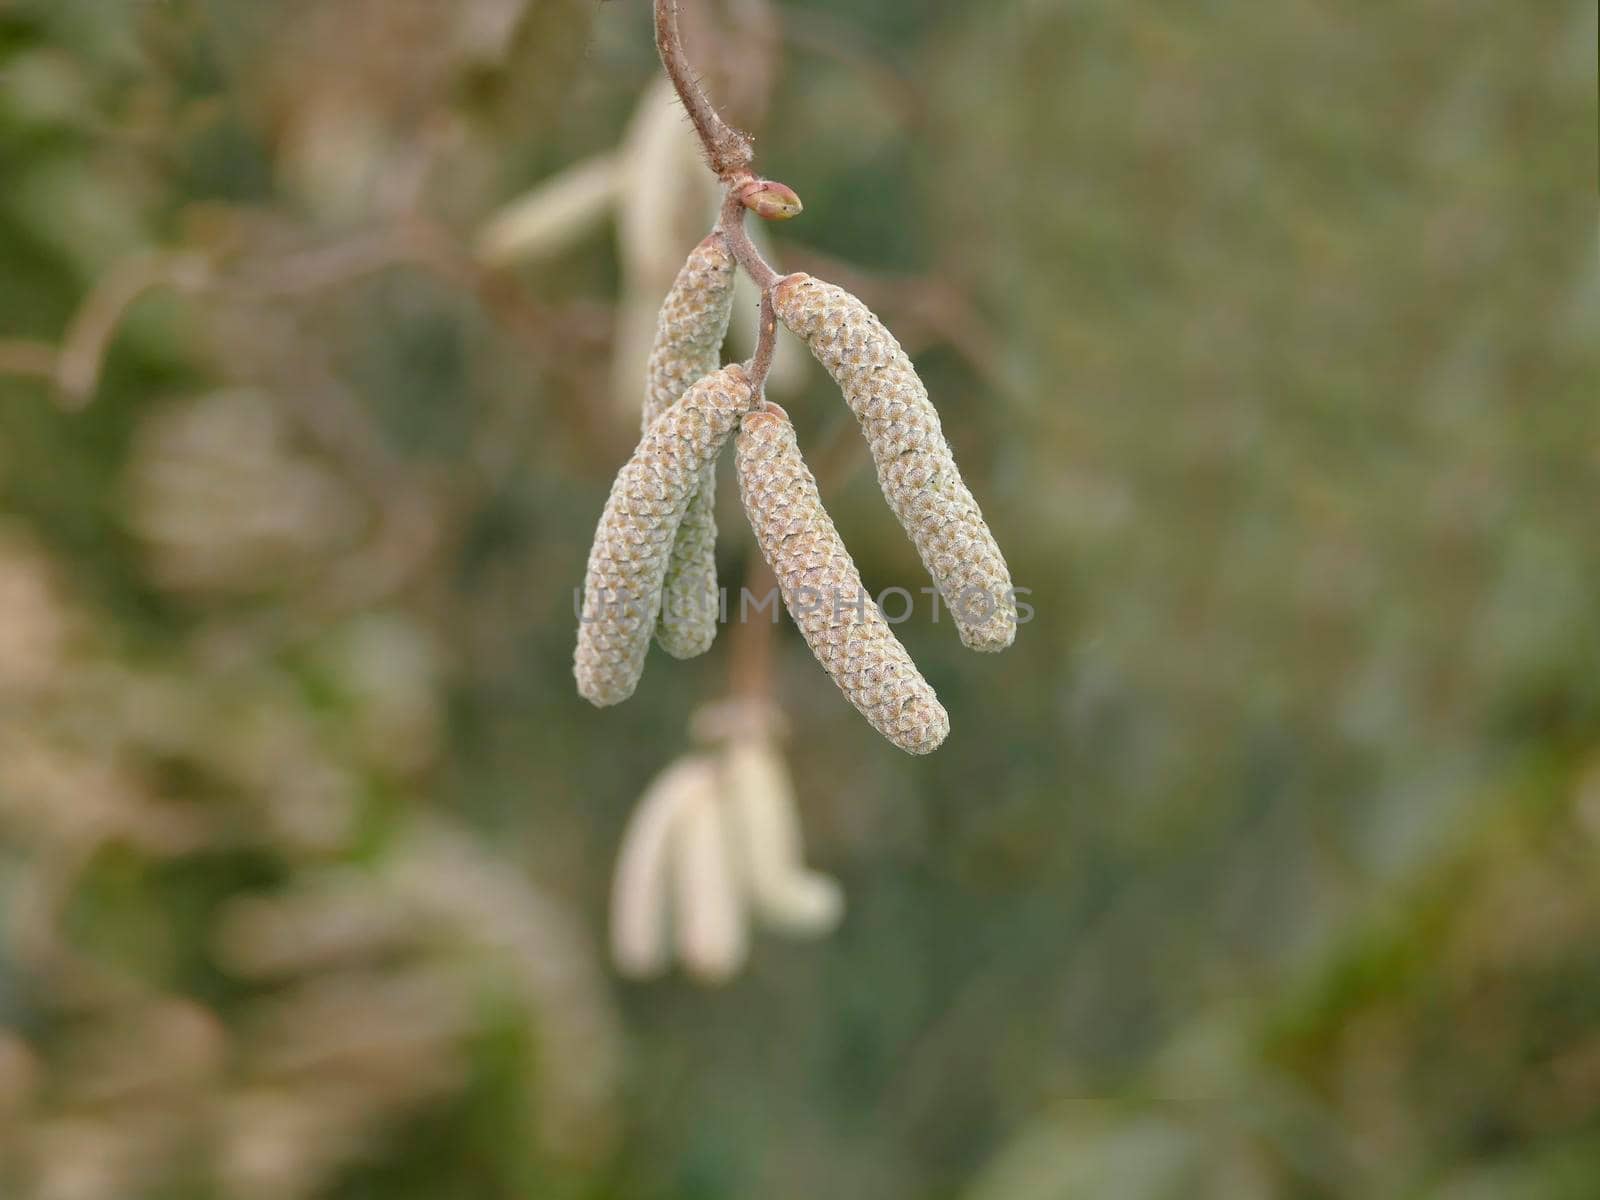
pixel 822 589
pixel 628 561
pixel 688 346
pixel 915 467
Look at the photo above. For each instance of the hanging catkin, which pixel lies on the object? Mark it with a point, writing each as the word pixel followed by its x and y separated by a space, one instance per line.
pixel 640 925
pixel 688 345
pixel 764 823
pixel 823 591
pixel 915 468
pixel 628 561
pixel 707 905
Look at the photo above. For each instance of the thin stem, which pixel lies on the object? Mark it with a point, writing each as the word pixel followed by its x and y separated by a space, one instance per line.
pixel 90 332
pixel 730 155
pixel 731 226
pixel 727 150
pixel 766 346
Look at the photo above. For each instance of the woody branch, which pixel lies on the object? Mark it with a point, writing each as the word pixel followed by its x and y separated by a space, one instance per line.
pixel 730 154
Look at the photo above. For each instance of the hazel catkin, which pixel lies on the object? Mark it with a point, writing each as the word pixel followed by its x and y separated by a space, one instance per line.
pixel 822 589
pixel 764 823
pixel 628 560
pixel 687 347
pixel 916 470
pixel 641 933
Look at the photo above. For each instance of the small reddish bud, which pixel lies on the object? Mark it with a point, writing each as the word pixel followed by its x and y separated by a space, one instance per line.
pixel 770 200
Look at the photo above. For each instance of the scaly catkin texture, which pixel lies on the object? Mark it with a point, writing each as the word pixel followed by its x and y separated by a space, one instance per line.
pixel 915 468
pixel 628 561
pixel 822 589
pixel 688 346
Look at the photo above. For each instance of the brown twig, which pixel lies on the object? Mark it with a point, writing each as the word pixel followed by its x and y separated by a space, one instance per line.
pixel 766 346
pixel 89 335
pixel 730 154
pixel 728 151
pixel 27 358
pixel 731 225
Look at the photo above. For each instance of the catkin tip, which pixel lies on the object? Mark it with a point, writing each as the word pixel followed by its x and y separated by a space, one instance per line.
pixel 603 693
pixel 992 639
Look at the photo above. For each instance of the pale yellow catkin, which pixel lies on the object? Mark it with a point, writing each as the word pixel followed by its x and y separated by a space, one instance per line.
pixel 641 935
pixel 764 823
pixel 628 561
pixel 688 346
pixel 708 908
pixel 916 470
pixel 822 588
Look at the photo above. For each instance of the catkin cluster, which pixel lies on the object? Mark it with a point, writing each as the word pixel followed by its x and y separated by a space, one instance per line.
pixel 628 560
pixel 653 567
pixel 712 850
pixel 915 467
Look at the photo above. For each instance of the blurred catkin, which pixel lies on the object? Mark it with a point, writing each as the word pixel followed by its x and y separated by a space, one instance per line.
pixel 34 624
pixel 640 933
pixel 823 590
pixel 688 346
pixel 661 159
pixel 628 561
pixel 678 887
pixel 225 500
pixel 712 936
pixel 764 822
pixel 552 216
pixel 915 467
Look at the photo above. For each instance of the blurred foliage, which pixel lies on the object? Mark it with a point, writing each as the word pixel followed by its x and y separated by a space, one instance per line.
pixel 1263 866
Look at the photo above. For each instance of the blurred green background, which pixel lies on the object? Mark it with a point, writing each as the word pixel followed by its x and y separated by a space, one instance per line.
pixel 1264 864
